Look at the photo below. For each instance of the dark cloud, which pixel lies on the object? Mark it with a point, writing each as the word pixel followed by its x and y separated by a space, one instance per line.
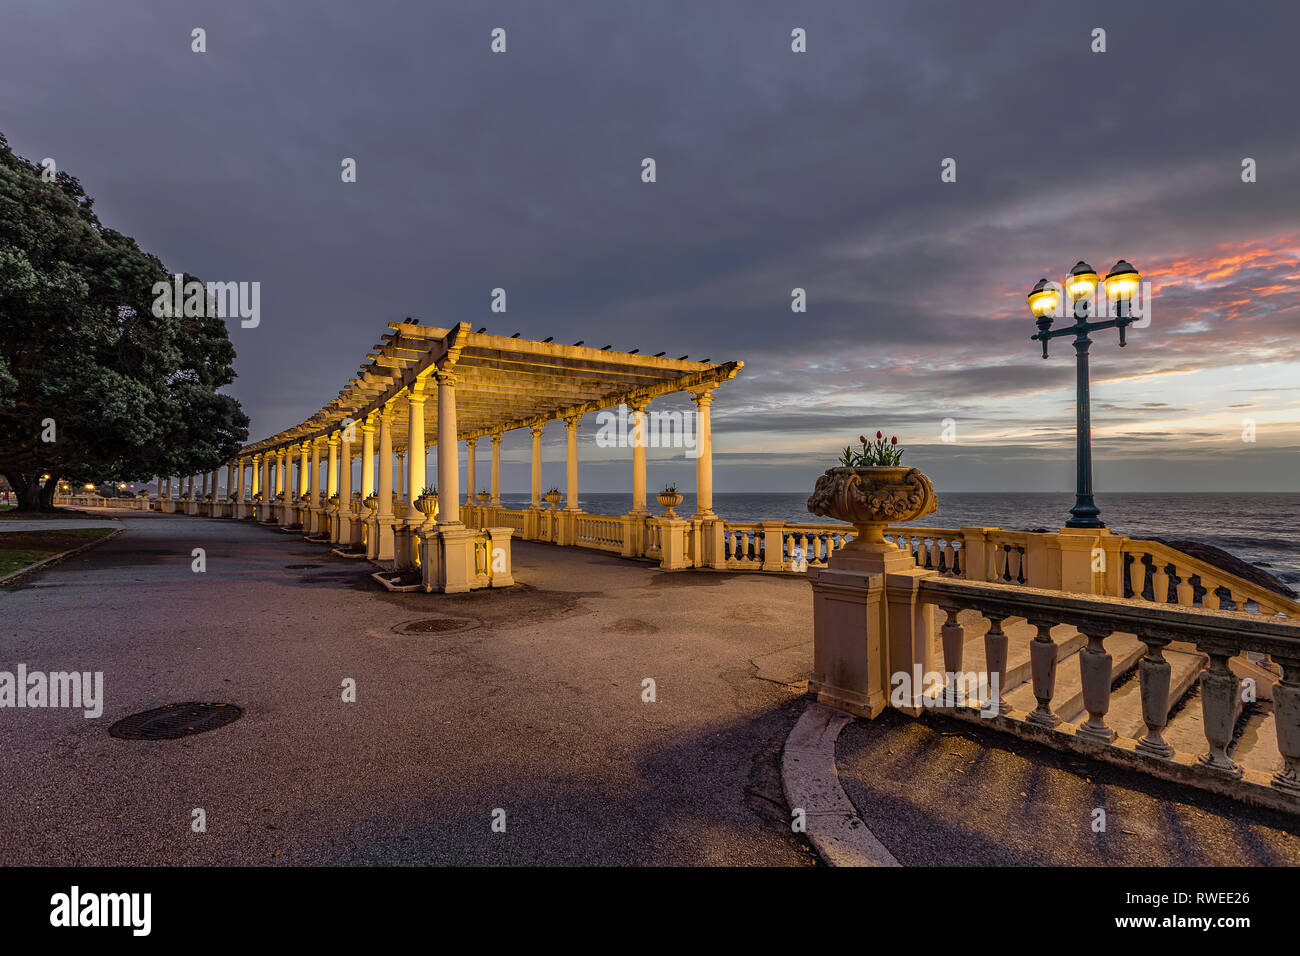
pixel 775 170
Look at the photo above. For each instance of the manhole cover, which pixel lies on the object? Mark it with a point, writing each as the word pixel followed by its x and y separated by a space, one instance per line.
pixel 300 567
pixel 435 625
pixel 175 720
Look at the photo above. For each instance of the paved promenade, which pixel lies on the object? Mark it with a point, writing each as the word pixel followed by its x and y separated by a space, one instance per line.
pixel 537 710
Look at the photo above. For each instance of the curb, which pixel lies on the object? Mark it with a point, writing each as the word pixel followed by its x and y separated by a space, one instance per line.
pixel 811 783
pixel 55 558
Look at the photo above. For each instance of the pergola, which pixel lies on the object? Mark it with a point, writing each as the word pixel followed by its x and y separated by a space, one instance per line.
pixel 423 386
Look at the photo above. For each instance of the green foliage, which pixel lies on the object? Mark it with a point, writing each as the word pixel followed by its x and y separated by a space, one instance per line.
pixel 880 452
pixel 131 394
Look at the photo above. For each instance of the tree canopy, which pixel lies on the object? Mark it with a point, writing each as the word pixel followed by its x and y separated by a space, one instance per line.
pixel 93 384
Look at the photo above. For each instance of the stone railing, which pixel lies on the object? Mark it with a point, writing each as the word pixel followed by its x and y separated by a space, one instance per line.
pixel 1016 684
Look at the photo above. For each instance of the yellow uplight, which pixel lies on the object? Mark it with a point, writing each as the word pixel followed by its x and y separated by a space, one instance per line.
pixel 1044 299
pixel 1082 281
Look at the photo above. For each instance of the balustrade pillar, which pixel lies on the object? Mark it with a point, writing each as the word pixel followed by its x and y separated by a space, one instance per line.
pixel 1286 719
pixel 953 638
pixel 1095 676
pixel 368 457
pixel 1042 663
pixel 1219 690
pixel 996 646
pixel 1153 676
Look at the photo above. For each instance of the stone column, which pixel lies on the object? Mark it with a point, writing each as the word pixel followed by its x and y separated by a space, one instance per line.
pixel 230 480
pixel 571 463
pixel 470 445
pixel 205 486
pixel 536 486
pixel 304 469
pixel 448 473
pixel 385 489
pixel 281 459
pixel 257 474
pixel 368 457
pixel 332 475
pixel 704 447
pixel 495 502
pixel 638 458
pixel 416 479
pixel 345 487
pixel 313 483
pixel 399 481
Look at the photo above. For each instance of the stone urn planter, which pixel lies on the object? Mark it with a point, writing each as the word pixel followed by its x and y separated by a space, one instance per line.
pixel 372 505
pixel 334 502
pixel 427 505
pixel 355 504
pixel 669 500
pixel 483 498
pixel 870 498
pixel 553 498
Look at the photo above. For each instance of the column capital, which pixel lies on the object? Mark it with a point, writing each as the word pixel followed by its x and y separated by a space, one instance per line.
pixel 496 439
pixel 703 396
pixel 416 395
pixel 638 404
pixel 445 377
pixel 537 430
pixel 571 421
pixel 334 438
pixel 471 442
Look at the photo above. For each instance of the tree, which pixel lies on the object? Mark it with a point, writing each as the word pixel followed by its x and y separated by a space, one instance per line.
pixel 94 383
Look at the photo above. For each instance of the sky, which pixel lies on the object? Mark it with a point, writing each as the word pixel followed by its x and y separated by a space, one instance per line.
pixel 775 170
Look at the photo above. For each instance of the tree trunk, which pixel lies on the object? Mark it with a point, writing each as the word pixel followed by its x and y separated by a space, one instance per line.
pixel 47 493
pixel 27 489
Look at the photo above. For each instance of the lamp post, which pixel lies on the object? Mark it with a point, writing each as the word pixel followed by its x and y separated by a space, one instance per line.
pixel 1044 300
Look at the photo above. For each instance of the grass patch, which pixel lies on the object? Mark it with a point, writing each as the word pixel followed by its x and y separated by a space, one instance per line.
pixel 20 549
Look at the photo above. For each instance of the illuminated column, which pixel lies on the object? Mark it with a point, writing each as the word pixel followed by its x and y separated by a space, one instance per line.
pixel 571 462
pixel 400 479
pixel 416 479
pixel 345 485
pixel 368 457
pixel 281 460
pixel 332 479
pixel 304 469
pixel 536 484
pixel 238 490
pixel 496 471
pixel 638 458
pixel 385 491
pixel 470 445
pixel 704 447
pixel 257 475
pixel 267 458
pixel 313 482
pixel 448 474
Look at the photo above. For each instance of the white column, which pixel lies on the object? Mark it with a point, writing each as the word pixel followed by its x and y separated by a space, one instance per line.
pixel 230 480
pixel 368 457
pixel 536 484
pixel 281 459
pixel 448 472
pixel 704 463
pixel 638 458
pixel 571 462
pixel 332 485
pixel 385 491
pixel 345 472
pixel 400 479
pixel 470 445
pixel 496 472
pixel 416 479
pixel 313 483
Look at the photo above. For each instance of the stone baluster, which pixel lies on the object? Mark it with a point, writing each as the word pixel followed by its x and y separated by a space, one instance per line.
pixel 995 657
pixel 1137 576
pixel 1042 663
pixel 1286 715
pixel 1219 688
pixel 953 637
pixel 1159 583
pixel 934 561
pixel 1210 600
pixel 1000 568
pixel 1095 676
pixel 1153 681
pixel 1184 587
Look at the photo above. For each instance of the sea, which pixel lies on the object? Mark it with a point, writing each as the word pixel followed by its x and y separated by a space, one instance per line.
pixel 1257 527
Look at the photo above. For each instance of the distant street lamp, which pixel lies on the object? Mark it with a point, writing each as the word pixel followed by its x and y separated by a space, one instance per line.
pixel 1044 299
